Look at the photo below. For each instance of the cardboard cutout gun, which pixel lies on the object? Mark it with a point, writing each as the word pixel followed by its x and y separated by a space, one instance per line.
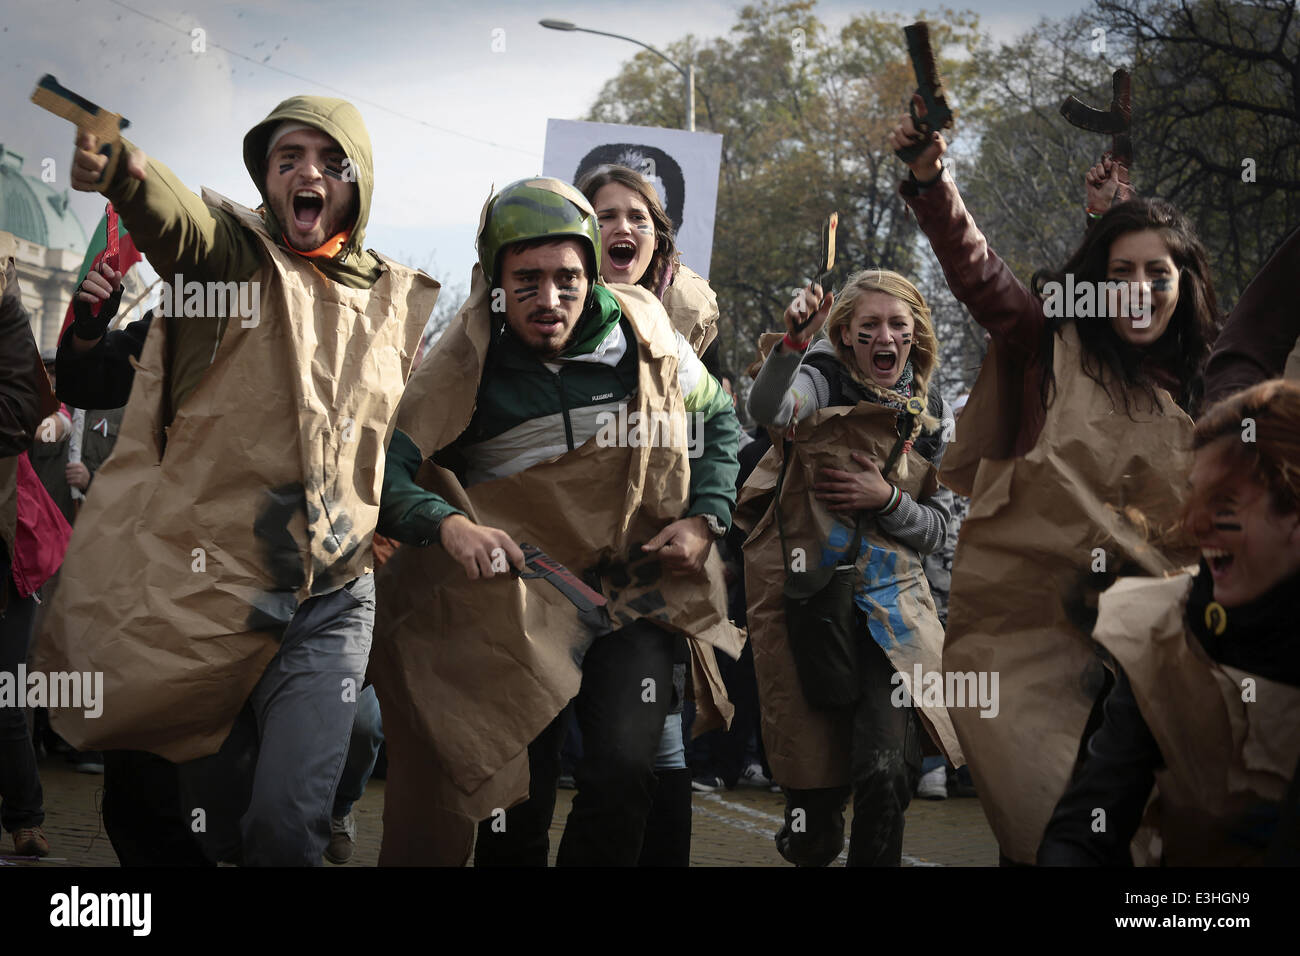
pixel 1117 121
pixel 929 86
pixel 539 564
pixel 87 117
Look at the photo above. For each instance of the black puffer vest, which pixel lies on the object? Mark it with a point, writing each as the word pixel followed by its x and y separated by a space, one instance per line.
pixel 846 391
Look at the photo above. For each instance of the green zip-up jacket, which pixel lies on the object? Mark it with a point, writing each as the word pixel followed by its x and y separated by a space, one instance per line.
pixel 527 413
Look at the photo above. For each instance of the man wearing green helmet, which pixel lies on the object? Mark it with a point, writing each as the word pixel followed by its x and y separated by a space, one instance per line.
pixel 540 452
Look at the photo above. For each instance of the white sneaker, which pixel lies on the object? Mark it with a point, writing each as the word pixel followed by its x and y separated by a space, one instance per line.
pixel 934 785
pixel 753 776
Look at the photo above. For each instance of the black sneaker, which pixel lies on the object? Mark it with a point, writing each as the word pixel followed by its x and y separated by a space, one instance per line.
pixel 86 761
pixel 960 783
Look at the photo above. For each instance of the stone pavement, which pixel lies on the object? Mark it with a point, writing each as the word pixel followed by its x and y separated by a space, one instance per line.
pixel 729 828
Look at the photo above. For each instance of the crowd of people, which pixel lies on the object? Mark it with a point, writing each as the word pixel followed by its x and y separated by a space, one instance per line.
pixel 549 554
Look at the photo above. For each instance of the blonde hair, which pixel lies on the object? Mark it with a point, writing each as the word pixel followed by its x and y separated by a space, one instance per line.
pixel 924 354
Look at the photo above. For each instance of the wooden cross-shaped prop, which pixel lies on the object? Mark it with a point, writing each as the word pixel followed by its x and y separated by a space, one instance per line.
pixel 1117 121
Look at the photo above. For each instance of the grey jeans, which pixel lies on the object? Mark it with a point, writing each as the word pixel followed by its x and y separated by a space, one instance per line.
pixel 266 795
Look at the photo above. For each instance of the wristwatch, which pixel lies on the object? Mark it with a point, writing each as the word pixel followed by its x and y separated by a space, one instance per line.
pixel 716 526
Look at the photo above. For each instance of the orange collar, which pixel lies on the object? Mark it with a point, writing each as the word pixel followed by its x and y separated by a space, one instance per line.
pixel 328 249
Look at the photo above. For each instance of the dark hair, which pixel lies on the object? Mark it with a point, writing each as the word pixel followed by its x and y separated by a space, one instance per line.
pixel 1272 458
pixel 523 245
pixel 663 264
pixel 1185 345
pixel 646 160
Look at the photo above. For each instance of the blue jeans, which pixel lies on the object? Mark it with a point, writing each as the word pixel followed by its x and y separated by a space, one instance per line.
pixel 672 751
pixel 363 749
pixel 267 794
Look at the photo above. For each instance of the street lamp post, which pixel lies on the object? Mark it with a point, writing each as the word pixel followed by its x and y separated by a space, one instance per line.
pixel 688 72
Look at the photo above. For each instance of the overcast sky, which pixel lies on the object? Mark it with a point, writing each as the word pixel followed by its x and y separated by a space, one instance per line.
pixel 469 116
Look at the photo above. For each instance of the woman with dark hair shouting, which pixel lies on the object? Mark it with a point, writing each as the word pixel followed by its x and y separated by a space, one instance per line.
pixel 638 248
pixel 1074 449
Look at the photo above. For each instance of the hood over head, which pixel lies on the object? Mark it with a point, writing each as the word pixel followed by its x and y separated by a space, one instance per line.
pixel 336 118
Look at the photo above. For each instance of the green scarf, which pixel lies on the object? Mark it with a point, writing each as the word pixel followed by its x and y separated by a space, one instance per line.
pixel 600 316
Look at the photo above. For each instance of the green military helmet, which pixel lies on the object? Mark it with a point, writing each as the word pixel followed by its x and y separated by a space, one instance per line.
pixel 531 209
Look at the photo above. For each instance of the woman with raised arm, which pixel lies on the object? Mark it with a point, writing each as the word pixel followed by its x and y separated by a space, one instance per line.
pixel 1074 448
pixel 853 487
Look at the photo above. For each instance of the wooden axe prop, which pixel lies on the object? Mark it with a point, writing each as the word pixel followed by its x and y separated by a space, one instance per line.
pixel 86 116
pixel 929 86
pixel 825 262
pixel 1117 121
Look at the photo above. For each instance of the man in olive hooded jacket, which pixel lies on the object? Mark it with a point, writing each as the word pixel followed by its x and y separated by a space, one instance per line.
pixel 254 440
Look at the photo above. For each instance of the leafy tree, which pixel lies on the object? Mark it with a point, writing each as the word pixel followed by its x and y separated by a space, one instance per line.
pixel 1219 86
pixel 804 116
pixel 805 111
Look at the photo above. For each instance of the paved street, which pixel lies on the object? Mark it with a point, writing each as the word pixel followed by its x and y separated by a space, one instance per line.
pixel 730 828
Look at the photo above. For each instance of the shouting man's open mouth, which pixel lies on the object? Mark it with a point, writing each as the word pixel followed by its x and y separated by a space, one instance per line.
pixel 308 206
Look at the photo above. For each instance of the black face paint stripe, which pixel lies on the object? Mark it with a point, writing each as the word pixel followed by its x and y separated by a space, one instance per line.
pixel 285 167
pixel 1161 285
pixel 524 293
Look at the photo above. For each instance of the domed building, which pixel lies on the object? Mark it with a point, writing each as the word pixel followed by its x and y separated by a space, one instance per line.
pixel 51 244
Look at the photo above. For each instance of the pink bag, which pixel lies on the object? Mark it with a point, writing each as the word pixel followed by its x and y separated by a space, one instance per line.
pixel 42 535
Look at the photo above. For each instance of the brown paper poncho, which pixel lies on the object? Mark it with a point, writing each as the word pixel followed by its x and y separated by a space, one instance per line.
pixel 809 749
pixel 185 566
pixel 1023 575
pixel 692 305
pixel 1223 755
pixel 469 672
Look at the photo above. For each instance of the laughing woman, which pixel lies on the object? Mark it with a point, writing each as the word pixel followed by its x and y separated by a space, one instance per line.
pixel 846 725
pixel 1208 684
pixel 1078 422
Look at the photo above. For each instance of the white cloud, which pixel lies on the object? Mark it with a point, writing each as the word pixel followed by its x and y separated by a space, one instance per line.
pixel 434 62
